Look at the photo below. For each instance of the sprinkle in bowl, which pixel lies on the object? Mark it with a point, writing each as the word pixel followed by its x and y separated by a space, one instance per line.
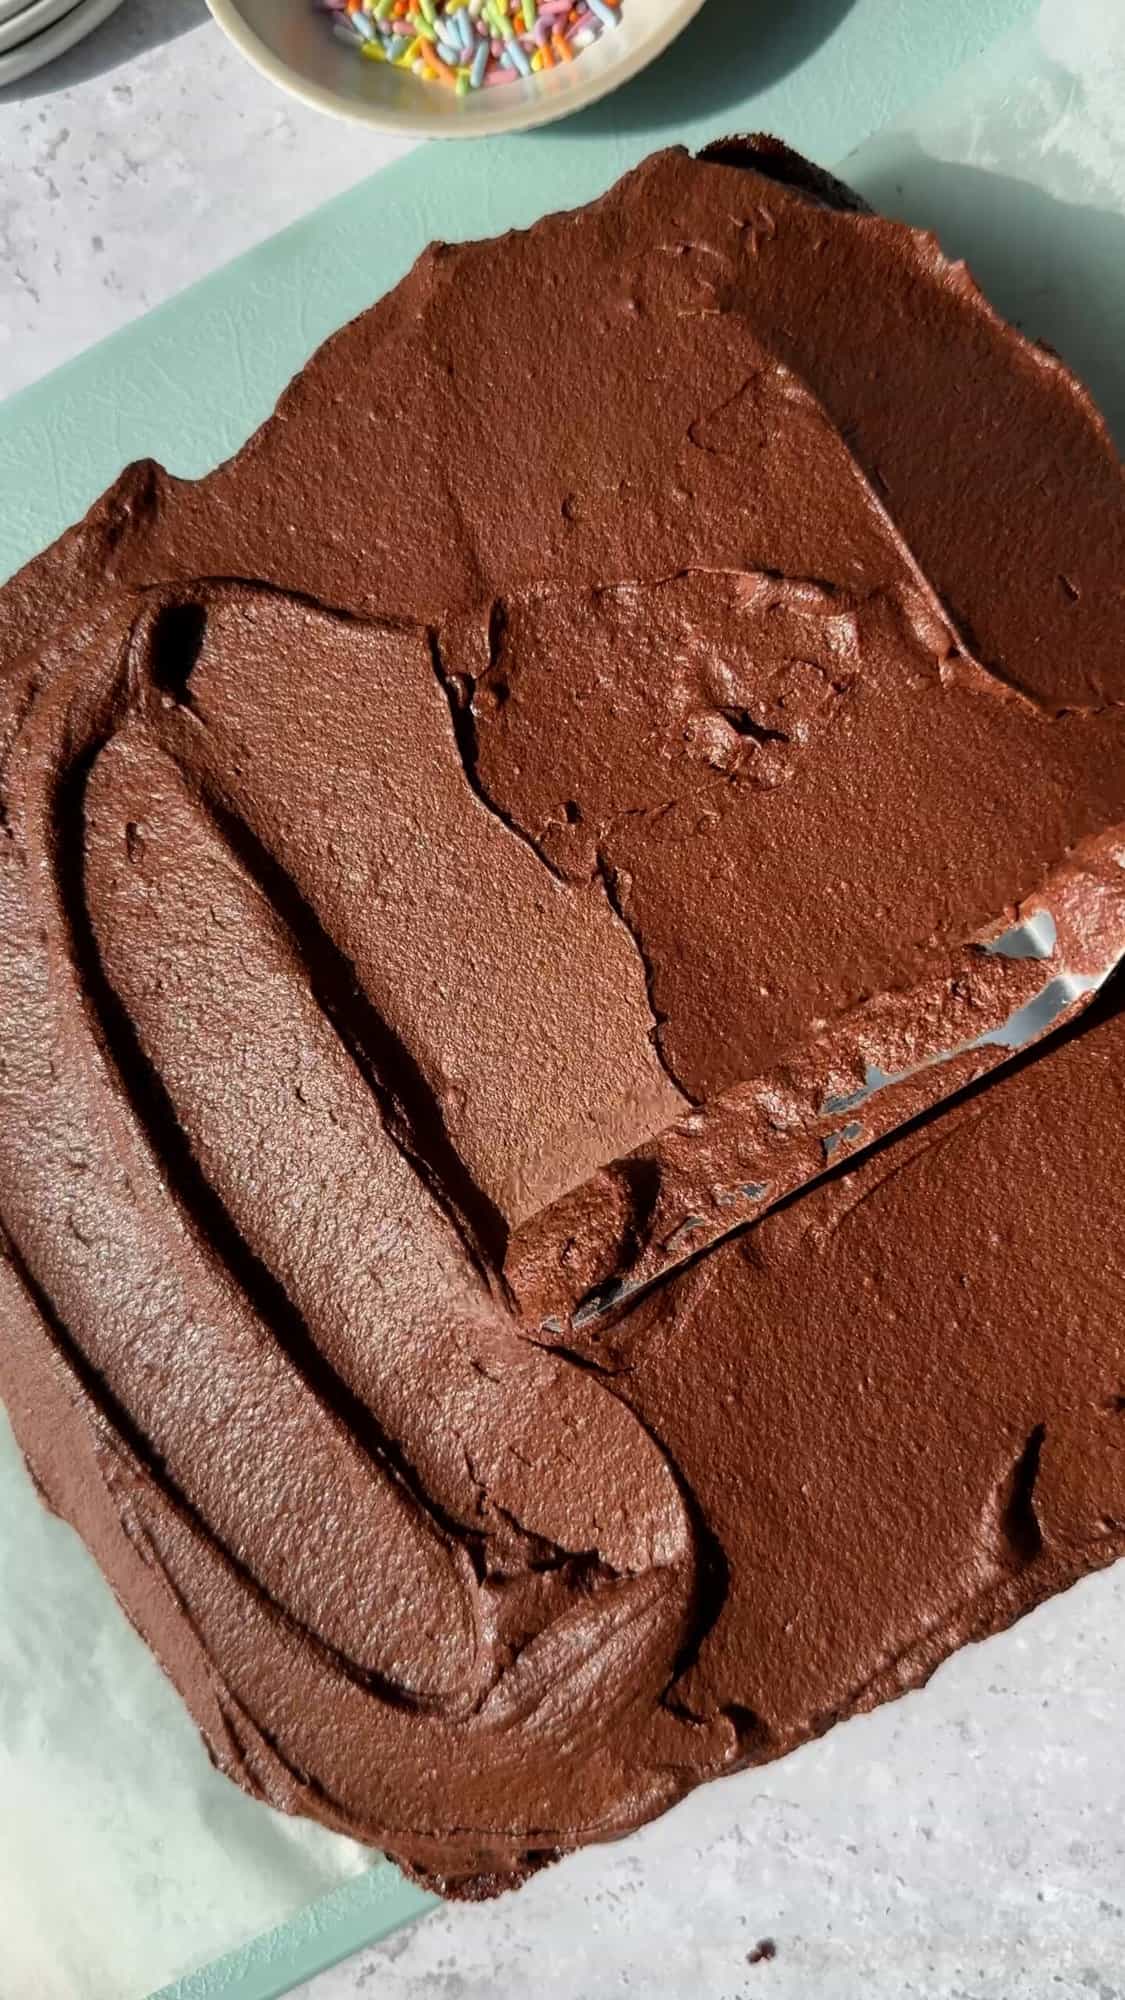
pixel 315 52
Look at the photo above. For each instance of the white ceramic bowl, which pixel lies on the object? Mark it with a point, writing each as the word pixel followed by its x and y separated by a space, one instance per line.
pixel 52 33
pixel 294 46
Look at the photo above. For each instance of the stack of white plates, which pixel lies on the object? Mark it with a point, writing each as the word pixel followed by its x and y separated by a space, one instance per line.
pixel 33 32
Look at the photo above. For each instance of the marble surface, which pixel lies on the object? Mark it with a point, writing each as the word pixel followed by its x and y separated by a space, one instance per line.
pixel 965 1844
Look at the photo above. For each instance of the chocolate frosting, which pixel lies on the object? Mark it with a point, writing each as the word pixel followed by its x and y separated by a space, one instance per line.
pixel 454 872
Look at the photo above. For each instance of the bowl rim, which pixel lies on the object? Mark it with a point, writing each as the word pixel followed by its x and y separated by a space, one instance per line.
pixel 502 118
pixel 32 18
pixel 64 33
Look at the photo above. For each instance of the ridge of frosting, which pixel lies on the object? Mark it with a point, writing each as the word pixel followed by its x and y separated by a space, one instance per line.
pixel 449 881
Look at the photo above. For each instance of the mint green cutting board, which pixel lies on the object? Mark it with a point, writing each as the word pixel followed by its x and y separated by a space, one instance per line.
pixel 188 383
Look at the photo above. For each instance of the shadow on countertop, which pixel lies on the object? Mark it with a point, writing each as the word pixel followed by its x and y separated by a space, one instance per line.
pixel 735 47
pixel 138 25
pixel 1056 269
pixel 732 48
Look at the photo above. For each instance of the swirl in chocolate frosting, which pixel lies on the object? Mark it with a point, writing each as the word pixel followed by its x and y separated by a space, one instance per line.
pixel 414 943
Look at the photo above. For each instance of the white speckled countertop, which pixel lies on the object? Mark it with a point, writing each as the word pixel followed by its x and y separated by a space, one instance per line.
pixel 123 177
pixel 965 1844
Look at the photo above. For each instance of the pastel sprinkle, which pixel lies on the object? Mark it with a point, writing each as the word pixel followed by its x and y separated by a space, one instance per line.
pixel 441 69
pixel 469 45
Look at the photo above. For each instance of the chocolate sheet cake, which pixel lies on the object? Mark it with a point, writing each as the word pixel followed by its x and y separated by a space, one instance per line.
pixel 454 877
